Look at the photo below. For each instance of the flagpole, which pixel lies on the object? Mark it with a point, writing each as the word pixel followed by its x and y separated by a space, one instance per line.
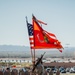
pixel 30 47
pixel 34 56
pixel 34 43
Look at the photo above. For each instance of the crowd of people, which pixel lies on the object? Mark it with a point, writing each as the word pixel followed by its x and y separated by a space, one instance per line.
pixel 14 71
pixel 37 69
pixel 27 71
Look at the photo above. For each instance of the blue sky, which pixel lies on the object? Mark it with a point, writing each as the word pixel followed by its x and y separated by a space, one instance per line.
pixel 58 14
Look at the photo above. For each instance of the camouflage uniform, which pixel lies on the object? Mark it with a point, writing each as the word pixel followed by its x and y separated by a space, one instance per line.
pixel 1 73
pixel 7 72
pixel 14 72
pixel 45 73
pixel 51 72
pixel 40 69
pixel 58 72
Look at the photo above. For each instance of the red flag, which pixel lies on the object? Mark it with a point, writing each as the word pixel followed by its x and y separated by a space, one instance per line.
pixel 44 39
pixel 41 22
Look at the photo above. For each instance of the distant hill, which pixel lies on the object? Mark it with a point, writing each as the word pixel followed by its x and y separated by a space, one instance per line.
pixel 13 47
pixel 14 51
pixel 24 51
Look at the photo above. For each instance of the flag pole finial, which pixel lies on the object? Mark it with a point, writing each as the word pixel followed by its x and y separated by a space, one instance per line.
pixel 26 19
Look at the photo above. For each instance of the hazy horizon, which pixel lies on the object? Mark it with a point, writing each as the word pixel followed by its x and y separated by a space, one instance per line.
pixel 25 51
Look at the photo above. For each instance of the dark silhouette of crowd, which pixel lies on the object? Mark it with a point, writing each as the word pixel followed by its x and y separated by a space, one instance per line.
pixel 25 71
pixel 14 71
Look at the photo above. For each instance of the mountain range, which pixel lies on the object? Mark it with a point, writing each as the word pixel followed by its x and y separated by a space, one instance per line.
pixel 25 51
